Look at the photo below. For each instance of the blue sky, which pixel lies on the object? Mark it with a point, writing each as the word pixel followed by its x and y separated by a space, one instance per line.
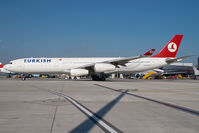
pixel 99 28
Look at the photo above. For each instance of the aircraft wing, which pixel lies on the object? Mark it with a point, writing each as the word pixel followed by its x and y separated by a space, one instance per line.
pixel 120 61
pixel 123 61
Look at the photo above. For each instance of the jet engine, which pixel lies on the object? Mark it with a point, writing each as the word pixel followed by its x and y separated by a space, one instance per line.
pixel 104 67
pixel 78 72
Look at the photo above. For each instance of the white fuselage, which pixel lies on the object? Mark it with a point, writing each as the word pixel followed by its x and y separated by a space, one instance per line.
pixel 64 65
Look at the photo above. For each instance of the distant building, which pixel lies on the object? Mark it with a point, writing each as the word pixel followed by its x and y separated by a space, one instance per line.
pixel 198 62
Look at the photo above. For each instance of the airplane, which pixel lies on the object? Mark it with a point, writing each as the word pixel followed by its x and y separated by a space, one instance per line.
pixel 98 68
pixel 72 66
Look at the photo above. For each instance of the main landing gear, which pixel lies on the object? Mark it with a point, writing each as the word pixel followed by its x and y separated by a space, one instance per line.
pixel 98 77
pixel 25 76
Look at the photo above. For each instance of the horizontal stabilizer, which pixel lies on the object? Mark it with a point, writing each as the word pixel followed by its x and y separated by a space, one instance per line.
pixel 177 59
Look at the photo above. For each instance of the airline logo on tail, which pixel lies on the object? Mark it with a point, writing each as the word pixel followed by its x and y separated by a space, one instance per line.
pixel 172 47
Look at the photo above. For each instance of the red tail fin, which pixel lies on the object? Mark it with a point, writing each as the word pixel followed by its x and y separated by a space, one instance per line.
pixel 1 65
pixel 171 49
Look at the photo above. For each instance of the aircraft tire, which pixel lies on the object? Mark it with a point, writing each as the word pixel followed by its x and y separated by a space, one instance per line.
pixel 98 78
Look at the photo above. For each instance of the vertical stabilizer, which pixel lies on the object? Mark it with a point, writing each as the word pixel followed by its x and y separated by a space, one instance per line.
pixel 171 48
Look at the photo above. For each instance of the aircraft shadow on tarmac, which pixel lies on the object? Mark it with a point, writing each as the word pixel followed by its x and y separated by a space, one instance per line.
pixel 88 124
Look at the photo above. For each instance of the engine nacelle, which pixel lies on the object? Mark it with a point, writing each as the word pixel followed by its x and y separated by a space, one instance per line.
pixel 78 72
pixel 104 67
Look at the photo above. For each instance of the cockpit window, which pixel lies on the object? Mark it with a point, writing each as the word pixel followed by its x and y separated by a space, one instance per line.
pixel 10 62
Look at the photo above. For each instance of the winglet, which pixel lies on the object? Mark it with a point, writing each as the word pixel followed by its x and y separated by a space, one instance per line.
pixel 150 52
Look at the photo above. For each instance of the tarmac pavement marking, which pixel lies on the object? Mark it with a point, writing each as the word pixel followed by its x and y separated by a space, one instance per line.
pixel 104 125
pixel 184 109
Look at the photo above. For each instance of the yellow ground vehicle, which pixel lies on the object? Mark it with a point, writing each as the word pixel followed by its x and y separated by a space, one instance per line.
pixel 149 75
